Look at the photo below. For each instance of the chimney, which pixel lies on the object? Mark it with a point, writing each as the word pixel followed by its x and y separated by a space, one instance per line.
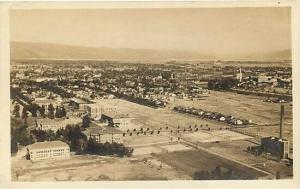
pixel 281 120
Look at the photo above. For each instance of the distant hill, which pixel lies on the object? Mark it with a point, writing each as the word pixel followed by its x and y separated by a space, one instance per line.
pixel 25 50
pixel 21 50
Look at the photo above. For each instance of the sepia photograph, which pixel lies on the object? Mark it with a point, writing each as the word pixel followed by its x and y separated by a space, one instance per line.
pixel 144 94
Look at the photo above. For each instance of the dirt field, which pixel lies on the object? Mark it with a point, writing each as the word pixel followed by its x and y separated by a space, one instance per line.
pixel 242 106
pixel 164 148
pixel 147 117
pixel 214 136
pixel 95 168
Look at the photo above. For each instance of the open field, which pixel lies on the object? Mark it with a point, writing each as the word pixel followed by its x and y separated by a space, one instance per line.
pixel 237 150
pixel 198 160
pixel 95 168
pixel 142 140
pixel 214 136
pixel 163 148
pixel 147 117
pixel 247 107
pixel 242 106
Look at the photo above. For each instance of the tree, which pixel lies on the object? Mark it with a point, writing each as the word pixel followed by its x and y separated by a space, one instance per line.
pixel 216 174
pixel 16 111
pixel 57 112
pixel 86 121
pixel 13 145
pixel 43 109
pixel 277 175
pixel 91 146
pixel 51 111
pixel 201 175
pixel 64 112
pixel 24 113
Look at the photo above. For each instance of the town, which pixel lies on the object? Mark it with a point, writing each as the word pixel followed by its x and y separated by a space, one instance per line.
pixel 123 120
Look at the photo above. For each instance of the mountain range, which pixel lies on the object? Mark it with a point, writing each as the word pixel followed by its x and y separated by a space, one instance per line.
pixel 26 50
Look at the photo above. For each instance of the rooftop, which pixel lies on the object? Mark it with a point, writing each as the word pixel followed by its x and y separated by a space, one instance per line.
pixel 275 138
pixel 79 101
pixel 116 115
pixel 101 130
pixel 47 121
pixel 47 144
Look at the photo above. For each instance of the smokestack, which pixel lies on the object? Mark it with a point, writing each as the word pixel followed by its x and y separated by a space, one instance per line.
pixel 281 120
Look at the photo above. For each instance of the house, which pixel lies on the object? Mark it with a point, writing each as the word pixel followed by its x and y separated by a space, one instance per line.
pixel 48 150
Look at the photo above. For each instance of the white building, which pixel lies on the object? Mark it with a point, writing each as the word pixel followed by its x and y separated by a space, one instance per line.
pixel 48 150
pixel 93 110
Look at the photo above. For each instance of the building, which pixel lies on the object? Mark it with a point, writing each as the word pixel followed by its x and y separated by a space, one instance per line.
pixel 239 75
pixel 275 146
pixel 48 150
pixel 47 124
pixel 44 101
pixel 116 120
pixel 77 103
pixel 104 134
pixel 93 110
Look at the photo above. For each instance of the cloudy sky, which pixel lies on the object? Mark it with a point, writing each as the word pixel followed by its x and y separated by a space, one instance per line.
pixel 206 30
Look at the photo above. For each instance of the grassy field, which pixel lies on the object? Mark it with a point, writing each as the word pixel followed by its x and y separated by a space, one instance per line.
pixel 197 160
pixel 237 150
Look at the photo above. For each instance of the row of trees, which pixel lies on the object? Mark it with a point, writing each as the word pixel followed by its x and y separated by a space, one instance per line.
pixel 57 112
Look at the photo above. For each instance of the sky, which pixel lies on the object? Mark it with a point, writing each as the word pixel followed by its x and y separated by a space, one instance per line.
pixel 205 30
